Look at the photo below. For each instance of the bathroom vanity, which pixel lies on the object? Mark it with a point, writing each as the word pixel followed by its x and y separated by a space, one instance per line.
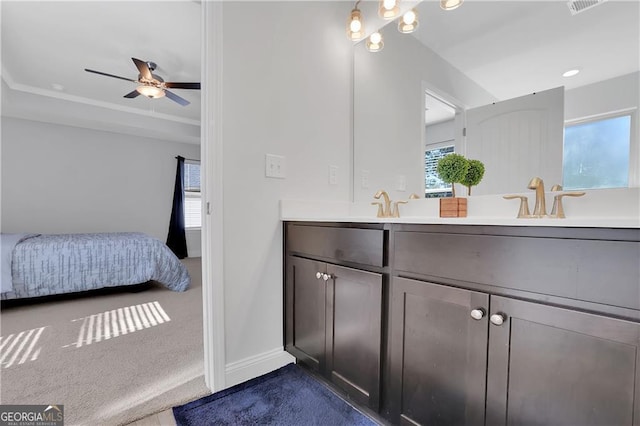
pixel 442 324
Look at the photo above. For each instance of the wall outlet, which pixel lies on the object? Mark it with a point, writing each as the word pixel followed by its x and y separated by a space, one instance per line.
pixel 275 166
pixel 364 179
pixel 333 175
pixel 401 183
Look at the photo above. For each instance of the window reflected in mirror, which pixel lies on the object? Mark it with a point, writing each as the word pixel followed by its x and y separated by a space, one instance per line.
pixel 596 153
pixel 434 186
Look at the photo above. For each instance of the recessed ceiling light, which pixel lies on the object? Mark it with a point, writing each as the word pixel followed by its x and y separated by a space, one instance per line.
pixel 570 73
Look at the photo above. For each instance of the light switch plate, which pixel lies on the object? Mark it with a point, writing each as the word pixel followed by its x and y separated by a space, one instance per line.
pixel 333 175
pixel 401 183
pixel 275 166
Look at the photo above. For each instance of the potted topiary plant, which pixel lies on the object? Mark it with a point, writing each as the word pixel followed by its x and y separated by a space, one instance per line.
pixel 452 169
pixel 474 174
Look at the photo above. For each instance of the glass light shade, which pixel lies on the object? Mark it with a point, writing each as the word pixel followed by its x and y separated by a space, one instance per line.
pixel 150 91
pixel 409 22
pixel 355 27
pixel 375 43
pixel 450 4
pixel 388 9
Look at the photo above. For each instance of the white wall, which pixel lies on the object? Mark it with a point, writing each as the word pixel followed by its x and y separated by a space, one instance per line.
pixel 606 96
pixel 389 111
pixel 439 132
pixel 62 179
pixel 286 90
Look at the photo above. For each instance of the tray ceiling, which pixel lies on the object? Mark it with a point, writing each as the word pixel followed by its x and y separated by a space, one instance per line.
pixel 46 45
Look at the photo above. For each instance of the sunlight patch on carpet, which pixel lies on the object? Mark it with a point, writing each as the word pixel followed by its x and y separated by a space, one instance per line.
pixel 118 322
pixel 181 376
pixel 18 348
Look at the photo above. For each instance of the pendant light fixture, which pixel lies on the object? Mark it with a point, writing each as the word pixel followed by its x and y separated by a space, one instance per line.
pixel 409 22
pixel 388 9
pixel 374 42
pixel 355 27
pixel 450 4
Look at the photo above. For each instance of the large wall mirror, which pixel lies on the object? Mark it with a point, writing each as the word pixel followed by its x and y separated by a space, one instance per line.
pixel 473 80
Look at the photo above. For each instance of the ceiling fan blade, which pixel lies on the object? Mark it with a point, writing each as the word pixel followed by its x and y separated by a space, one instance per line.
pixel 110 75
pixel 173 85
pixel 131 95
pixel 176 98
pixel 142 66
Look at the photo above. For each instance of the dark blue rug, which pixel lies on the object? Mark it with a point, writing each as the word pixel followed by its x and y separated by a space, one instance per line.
pixel 287 396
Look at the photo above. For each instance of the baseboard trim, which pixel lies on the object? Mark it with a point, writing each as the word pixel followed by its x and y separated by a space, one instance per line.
pixel 257 365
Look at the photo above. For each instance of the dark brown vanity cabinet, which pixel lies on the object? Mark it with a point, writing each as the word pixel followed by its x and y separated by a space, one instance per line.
pixel 333 313
pixel 532 364
pixel 549 365
pixel 474 353
pixel 306 309
pixel 470 325
pixel 438 354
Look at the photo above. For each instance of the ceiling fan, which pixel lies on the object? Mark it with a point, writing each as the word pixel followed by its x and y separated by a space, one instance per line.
pixel 152 85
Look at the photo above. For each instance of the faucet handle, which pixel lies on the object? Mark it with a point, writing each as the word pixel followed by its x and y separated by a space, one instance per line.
pixel 395 211
pixel 380 211
pixel 558 210
pixel 523 212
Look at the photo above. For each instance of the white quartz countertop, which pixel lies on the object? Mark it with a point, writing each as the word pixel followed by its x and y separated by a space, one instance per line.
pixel 598 209
pixel 496 221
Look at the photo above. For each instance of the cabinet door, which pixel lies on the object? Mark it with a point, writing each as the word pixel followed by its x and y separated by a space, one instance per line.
pixel 438 354
pixel 549 365
pixel 354 333
pixel 305 311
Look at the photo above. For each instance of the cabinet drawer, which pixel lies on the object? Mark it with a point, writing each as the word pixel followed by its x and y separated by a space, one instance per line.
pixel 356 245
pixel 597 271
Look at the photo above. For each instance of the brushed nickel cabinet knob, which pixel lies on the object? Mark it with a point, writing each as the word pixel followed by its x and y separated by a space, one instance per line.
pixel 498 319
pixel 318 275
pixel 477 314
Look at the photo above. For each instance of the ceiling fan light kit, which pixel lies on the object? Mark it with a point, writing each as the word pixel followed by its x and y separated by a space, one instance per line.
pixel 151 85
pixel 151 91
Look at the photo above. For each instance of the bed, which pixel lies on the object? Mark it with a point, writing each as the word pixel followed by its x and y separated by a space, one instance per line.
pixel 35 265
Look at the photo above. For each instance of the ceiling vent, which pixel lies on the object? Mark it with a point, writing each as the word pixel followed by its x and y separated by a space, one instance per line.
pixel 577 6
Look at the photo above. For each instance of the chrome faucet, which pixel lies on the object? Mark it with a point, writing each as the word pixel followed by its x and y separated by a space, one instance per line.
pixel 386 209
pixel 540 209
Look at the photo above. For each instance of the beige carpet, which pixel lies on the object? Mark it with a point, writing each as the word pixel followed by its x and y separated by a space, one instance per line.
pixel 109 359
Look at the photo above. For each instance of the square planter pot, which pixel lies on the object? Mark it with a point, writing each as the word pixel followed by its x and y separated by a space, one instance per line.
pixel 453 207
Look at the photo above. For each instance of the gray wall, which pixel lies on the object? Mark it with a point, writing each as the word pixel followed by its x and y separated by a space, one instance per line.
pixel 62 179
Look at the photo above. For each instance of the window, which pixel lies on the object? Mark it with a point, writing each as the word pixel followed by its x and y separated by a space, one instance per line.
pixel 192 195
pixel 596 153
pixel 434 186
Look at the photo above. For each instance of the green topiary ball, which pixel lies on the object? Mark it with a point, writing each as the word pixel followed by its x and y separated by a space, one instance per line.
pixel 452 168
pixel 474 173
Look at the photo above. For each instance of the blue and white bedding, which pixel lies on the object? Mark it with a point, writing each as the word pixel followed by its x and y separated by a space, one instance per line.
pixel 42 265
